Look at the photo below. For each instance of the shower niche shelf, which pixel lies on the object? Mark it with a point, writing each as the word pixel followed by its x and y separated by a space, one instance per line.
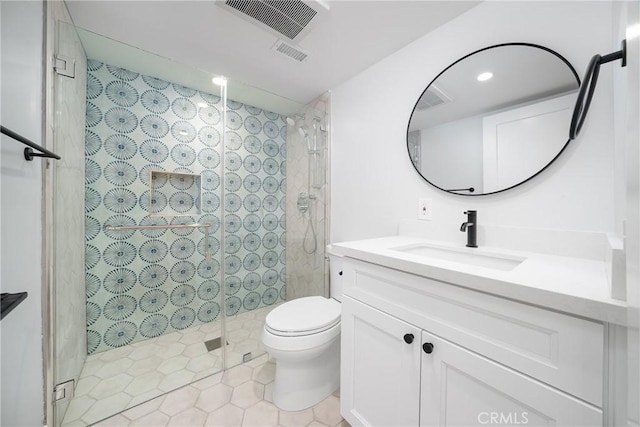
pixel 174 194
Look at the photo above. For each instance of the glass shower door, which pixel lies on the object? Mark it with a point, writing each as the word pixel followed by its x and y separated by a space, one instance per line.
pixel 187 236
pixel 68 303
pixel 153 231
pixel 151 287
pixel 254 203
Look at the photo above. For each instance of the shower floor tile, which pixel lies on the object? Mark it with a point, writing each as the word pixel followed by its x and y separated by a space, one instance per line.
pixel 116 380
pixel 238 397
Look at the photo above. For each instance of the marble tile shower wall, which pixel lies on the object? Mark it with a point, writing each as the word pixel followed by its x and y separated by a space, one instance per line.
pixel 307 270
pixel 144 283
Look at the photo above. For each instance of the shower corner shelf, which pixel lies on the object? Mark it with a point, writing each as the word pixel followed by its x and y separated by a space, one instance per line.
pixel 10 301
pixel 174 194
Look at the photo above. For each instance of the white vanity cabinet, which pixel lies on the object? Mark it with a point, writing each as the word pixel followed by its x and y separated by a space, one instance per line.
pixel 380 367
pixel 487 360
pixel 462 388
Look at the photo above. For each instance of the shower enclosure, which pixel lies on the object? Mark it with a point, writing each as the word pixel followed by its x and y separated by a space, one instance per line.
pixel 307 203
pixel 193 231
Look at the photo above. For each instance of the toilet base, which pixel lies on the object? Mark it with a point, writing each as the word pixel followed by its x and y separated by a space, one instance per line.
pixel 301 385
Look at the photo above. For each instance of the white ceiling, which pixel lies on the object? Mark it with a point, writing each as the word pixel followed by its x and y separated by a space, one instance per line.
pixel 521 74
pixel 198 34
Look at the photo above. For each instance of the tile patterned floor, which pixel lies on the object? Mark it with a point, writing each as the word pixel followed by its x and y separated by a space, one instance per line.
pixel 241 396
pixel 118 379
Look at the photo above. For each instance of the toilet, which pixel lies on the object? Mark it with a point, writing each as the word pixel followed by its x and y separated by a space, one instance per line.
pixel 303 336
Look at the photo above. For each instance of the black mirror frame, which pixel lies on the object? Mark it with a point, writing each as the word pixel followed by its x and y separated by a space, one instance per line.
pixel 471 190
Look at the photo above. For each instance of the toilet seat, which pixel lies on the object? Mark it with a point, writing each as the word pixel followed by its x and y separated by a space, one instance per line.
pixel 303 316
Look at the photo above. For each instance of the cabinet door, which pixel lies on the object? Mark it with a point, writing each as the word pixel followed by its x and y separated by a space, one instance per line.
pixel 461 388
pixel 380 368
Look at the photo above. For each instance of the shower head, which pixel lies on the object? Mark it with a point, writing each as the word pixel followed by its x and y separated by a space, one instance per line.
pixel 291 120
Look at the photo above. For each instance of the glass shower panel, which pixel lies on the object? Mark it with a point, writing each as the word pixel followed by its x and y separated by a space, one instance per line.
pixel 153 226
pixel 153 175
pixel 255 224
pixel 68 342
pixel 175 176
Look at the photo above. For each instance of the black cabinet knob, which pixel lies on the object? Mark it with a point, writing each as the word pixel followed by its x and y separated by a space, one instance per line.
pixel 340 273
pixel 408 338
pixel 427 347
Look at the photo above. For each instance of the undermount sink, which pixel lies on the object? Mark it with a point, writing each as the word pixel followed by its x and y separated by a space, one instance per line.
pixel 464 256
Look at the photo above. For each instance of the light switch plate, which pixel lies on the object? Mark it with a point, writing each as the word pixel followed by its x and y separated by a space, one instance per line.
pixel 425 206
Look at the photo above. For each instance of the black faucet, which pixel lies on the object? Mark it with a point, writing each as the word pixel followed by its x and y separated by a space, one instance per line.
pixel 470 228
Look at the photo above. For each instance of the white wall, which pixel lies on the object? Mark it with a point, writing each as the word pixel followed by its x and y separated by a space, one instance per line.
pixel 21 330
pixel 627 143
pixel 373 182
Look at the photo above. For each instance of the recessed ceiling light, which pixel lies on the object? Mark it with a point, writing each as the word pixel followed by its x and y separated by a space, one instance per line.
pixel 220 81
pixel 483 77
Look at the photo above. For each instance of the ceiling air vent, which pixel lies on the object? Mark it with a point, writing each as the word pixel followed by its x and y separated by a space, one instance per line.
pixel 432 97
pixel 289 18
pixel 289 50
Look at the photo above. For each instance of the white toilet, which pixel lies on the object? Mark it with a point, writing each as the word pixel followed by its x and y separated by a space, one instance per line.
pixel 303 335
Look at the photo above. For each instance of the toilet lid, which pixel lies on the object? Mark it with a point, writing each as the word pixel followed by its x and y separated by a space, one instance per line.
pixel 304 316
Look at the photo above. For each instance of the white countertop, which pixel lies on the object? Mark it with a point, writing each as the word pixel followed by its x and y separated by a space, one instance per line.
pixel 571 285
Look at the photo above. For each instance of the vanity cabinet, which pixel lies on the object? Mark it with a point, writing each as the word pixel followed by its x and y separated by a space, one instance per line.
pixel 380 367
pixel 462 388
pixel 421 352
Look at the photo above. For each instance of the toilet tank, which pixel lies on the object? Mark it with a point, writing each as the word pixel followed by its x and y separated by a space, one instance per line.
pixel 335 275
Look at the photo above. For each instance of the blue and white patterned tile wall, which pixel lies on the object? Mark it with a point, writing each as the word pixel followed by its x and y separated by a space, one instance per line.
pixel 145 283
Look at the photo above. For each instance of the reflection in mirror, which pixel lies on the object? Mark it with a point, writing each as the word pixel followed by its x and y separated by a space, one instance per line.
pixel 493 119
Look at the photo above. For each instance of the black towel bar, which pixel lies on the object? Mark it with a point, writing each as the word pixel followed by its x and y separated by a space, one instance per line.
pixel 29 154
pixel 470 189
pixel 10 301
pixel 589 86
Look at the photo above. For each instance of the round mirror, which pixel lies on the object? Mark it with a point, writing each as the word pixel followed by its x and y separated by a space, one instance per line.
pixel 493 119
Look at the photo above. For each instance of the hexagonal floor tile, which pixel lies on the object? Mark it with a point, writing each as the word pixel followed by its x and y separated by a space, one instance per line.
pixel 142 371
pixel 261 414
pixel 110 386
pixel 247 394
pixel 173 364
pixel 179 400
pixel 143 383
pixel 296 419
pixel 215 397
pixel 265 374
pixel 328 411
pixel 227 416
pixel 190 417
pixel 236 376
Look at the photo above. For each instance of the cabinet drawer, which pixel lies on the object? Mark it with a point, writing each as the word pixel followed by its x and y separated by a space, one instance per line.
pixel 560 350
